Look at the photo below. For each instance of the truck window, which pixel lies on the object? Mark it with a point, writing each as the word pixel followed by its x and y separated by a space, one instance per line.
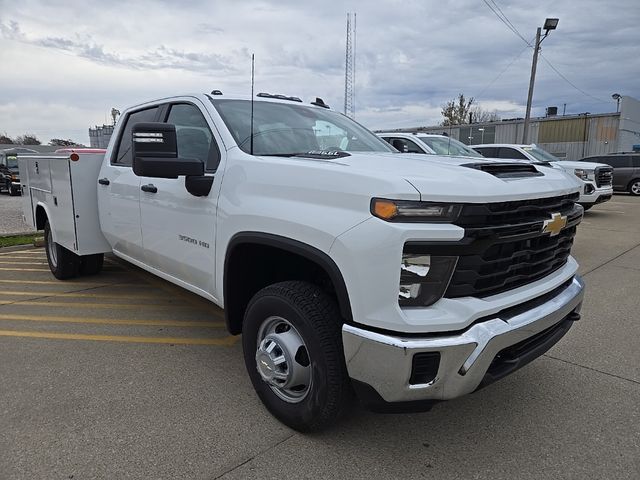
pixel 489 152
pixel 123 156
pixel 635 161
pixel 511 153
pixel 194 136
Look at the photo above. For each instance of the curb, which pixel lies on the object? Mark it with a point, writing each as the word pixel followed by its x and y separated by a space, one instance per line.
pixel 13 248
pixel 18 234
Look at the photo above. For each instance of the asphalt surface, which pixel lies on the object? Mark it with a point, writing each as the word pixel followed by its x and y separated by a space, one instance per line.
pixel 86 392
pixel 11 215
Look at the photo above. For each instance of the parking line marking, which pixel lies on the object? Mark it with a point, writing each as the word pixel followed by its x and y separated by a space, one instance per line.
pixel 224 341
pixel 110 269
pixel 30 303
pixel 21 293
pixel 23 252
pixel 24 269
pixel 77 284
pixel 23 263
pixel 107 321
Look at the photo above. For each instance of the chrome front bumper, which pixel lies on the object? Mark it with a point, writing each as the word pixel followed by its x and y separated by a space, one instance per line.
pixel 384 362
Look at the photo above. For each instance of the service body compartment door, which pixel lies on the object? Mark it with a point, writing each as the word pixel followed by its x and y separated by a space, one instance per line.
pixel 84 185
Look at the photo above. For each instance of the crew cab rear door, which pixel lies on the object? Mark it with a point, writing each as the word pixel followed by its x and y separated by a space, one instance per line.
pixel 119 190
pixel 178 228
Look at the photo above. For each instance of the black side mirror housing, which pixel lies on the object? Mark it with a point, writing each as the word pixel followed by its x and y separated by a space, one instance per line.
pixel 155 152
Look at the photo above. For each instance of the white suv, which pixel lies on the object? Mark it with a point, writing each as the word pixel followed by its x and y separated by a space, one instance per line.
pixel 596 177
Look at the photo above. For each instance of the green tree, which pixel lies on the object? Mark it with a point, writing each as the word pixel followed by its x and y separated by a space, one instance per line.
pixel 5 139
pixel 59 142
pixel 27 139
pixel 456 111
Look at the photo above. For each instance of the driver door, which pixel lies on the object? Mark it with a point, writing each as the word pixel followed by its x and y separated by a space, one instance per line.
pixel 178 228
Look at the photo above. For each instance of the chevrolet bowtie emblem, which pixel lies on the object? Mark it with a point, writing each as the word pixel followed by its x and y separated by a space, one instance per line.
pixel 554 226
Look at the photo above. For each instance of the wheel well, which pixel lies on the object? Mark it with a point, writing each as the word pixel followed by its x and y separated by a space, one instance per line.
pixel 632 182
pixel 257 262
pixel 41 217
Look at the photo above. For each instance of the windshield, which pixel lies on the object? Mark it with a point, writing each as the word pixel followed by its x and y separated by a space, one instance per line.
pixel 540 154
pixel 449 146
pixel 290 129
pixel 12 162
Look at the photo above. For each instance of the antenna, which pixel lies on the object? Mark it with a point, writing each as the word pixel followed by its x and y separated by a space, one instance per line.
pixel 253 57
pixel 350 67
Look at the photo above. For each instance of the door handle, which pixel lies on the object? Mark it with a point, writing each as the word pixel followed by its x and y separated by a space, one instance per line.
pixel 103 181
pixel 151 188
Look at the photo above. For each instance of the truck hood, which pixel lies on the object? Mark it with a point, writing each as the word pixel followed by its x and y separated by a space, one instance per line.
pixel 569 165
pixel 445 178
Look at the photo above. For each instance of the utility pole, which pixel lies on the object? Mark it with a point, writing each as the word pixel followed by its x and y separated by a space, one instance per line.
pixel 532 80
pixel 549 24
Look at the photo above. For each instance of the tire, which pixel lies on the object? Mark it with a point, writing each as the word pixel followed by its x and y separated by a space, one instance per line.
pixel 14 192
pixel 297 317
pixel 634 187
pixel 91 264
pixel 63 263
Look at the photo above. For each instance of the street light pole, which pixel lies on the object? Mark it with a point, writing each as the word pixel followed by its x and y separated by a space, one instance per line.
pixel 532 80
pixel 549 24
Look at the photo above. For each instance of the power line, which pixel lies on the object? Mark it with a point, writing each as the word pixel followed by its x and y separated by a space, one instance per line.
pixel 515 30
pixel 569 81
pixel 502 72
pixel 503 18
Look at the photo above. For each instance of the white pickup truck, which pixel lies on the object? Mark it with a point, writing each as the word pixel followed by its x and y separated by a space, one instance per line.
pixel 597 178
pixel 348 268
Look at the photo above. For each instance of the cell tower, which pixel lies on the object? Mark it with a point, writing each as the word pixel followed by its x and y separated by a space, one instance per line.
pixel 350 68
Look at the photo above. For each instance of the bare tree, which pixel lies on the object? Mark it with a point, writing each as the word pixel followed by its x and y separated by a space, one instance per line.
pixel 461 110
pixel 5 139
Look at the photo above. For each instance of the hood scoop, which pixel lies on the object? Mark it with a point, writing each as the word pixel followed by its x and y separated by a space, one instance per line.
pixel 507 170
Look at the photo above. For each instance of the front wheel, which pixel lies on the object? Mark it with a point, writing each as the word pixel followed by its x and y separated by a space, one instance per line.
pixel 293 353
pixel 14 191
pixel 63 263
pixel 634 187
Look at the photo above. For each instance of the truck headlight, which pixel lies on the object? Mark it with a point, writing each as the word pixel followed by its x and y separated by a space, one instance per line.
pixel 424 278
pixel 583 174
pixel 412 211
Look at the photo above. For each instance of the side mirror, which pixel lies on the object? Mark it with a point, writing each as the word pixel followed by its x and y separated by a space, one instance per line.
pixel 155 152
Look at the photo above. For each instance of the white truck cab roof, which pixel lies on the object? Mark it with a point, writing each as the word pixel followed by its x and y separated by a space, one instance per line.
pixel 428 143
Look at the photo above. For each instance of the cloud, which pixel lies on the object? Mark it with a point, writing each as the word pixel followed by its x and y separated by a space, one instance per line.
pixel 88 56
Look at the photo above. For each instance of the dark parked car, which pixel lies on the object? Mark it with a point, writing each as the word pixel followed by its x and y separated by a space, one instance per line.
pixel 9 175
pixel 626 170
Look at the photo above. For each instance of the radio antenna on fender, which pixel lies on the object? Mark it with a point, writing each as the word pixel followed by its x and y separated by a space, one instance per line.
pixel 252 83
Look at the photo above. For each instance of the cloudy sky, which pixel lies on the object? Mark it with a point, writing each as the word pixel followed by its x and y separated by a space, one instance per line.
pixel 64 64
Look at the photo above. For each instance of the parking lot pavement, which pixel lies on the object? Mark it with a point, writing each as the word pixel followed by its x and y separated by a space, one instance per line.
pixel 123 375
pixel 11 215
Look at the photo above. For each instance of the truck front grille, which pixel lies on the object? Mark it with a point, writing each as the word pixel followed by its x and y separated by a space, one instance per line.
pixel 505 246
pixel 604 176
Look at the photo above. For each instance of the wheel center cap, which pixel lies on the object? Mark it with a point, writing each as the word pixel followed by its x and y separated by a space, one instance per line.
pixel 266 367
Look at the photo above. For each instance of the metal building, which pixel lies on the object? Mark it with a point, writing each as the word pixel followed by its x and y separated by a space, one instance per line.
pixel 100 135
pixel 569 137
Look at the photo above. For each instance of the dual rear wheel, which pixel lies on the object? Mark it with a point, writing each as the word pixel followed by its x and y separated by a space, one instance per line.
pixel 65 264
